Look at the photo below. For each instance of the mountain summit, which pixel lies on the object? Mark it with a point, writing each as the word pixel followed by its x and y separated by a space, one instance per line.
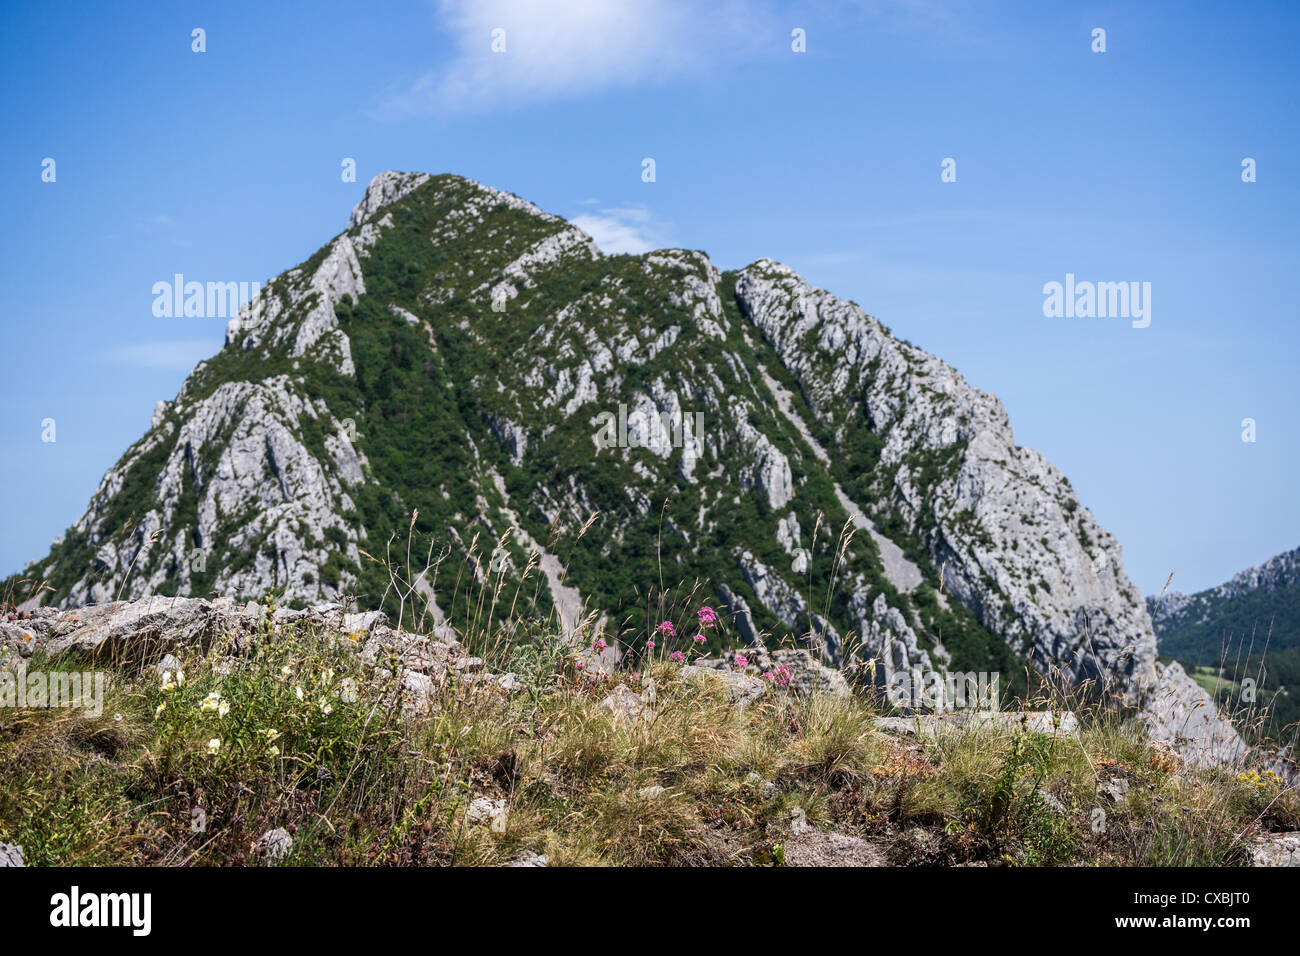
pixel 459 354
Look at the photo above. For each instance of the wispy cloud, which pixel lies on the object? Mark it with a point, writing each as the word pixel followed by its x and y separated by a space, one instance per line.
pixel 631 229
pixel 564 48
pixel 181 355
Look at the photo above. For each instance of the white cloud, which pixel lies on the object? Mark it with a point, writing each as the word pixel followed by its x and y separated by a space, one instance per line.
pixel 562 48
pixel 181 355
pixel 621 229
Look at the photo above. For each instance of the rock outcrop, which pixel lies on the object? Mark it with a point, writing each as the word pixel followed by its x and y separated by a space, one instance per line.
pixel 1180 712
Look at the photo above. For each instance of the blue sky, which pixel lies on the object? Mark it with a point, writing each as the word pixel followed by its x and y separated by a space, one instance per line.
pixel 1116 166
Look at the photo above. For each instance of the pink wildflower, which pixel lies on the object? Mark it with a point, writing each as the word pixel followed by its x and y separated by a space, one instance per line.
pixel 650 644
pixel 707 616
pixel 677 656
pixel 600 645
pixel 699 638
pixel 741 662
pixel 666 629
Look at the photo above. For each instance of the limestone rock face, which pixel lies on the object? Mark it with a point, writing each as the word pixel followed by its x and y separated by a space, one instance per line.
pixel 1016 546
pixel 1181 713
pixel 238 499
pixel 388 187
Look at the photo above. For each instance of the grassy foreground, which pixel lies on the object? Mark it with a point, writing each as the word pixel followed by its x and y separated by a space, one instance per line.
pixel 191 766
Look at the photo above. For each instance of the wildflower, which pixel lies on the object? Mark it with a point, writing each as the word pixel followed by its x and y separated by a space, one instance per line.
pixel 274 751
pixel 271 734
pixel 158 711
pixel 297 692
pixel 223 708
pixel 285 671
pixel 780 676
pixel 666 629
pixel 210 703
pixel 677 656
pixel 650 645
pixel 325 707
pixel 707 616
pixel 214 745
pixel 117 718
pixel 699 638
pixel 741 662
pixel 170 681
pixel 600 645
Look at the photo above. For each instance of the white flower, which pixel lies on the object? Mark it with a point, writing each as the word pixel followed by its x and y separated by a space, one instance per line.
pixel 297 692
pixel 214 745
pixel 223 708
pixel 274 751
pixel 159 710
pixel 211 702
pixel 325 708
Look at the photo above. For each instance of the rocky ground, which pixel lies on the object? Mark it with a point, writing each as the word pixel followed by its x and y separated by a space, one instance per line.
pixel 751 757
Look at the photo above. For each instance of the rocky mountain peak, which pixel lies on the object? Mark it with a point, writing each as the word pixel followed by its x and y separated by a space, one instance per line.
pixel 386 188
pixel 619 420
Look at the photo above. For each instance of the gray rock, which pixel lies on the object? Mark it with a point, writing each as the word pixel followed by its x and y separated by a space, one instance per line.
pixel 744 688
pixel 11 854
pixel 485 810
pixel 1179 712
pixel 1063 723
pixel 1276 849
pixel 624 703
pixel 531 859
pixel 1116 788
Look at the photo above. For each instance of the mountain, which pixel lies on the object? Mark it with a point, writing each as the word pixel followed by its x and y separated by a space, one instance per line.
pixel 1262 602
pixel 461 362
